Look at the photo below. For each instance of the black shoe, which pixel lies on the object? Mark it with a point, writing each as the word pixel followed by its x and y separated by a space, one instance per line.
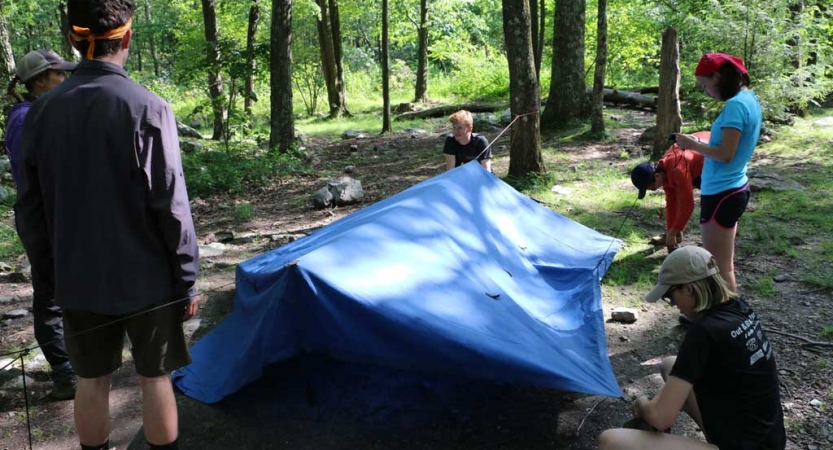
pixel 64 382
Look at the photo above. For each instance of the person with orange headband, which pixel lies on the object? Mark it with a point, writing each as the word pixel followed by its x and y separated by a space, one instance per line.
pixel 103 213
pixel 724 185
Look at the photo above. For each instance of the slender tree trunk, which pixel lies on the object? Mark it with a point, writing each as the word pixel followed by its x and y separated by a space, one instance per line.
pixel 66 49
pixel 281 121
pixel 329 39
pixel 525 154
pixel 533 17
pixel 6 55
pixel 386 126
pixel 797 57
pixel 543 32
pixel 251 33
pixel 567 101
pixel 338 55
pixel 597 123
pixel 669 119
pixel 420 94
pixel 151 38
pixel 215 78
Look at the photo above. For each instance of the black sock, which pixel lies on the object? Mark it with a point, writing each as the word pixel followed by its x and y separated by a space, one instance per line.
pixel 172 446
pixel 104 446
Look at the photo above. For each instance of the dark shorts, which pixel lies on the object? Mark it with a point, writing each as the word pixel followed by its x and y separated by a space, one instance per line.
pixel 156 336
pixel 725 207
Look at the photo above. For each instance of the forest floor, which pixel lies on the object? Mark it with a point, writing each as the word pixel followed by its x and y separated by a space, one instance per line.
pixel 281 411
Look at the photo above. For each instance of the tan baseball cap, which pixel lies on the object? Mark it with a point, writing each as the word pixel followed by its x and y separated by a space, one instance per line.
pixel 684 265
pixel 38 61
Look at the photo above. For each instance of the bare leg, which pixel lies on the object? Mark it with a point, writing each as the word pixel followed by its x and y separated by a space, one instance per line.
pixel 622 439
pixel 159 414
pixel 720 242
pixel 92 410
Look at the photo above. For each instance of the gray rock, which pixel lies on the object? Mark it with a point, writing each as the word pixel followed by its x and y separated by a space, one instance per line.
pixel 352 134
pixel 413 131
pixel 624 315
pixel 4 300
pixel 4 194
pixel 20 277
pixel 506 117
pixel 212 250
pixel 354 148
pixel 349 169
pixel 224 236
pixel 17 383
pixel 781 277
pixel 5 165
pixel 760 180
pixel 648 135
pixel 191 326
pixel 189 147
pixel 341 192
pixel 15 314
pixel 186 131
pixel 482 124
pixel 5 267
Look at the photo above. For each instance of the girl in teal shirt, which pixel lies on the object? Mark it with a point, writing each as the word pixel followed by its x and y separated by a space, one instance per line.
pixel 725 186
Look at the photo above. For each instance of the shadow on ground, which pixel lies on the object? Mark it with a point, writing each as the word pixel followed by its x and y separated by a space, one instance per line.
pixel 318 403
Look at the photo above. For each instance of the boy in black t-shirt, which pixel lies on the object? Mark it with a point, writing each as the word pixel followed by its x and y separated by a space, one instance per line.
pixel 724 376
pixel 463 146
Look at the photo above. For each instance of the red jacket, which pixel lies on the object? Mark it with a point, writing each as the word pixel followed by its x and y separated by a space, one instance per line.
pixel 681 167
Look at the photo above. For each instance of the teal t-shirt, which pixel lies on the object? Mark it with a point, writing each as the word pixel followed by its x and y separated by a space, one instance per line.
pixel 742 112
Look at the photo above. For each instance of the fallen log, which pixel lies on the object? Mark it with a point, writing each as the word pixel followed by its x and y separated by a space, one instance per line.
pixel 628 98
pixel 447 110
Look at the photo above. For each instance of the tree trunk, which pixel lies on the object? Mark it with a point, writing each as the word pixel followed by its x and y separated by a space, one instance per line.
pixel 281 120
pixel 533 13
pixel 525 153
pixel 251 32
pixel 386 126
pixel 797 57
pixel 338 54
pixel 330 57
pixel 567 101
pixel 66 49
pixel 151 37
pixel 6 55
pixel 420 94
pixel 669 119
pixel 597 123
pixel 542 32
pixel 215 78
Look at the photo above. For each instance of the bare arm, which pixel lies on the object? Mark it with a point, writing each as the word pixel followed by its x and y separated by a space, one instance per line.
pixel 723 153
pixel 487 164
pixel 449 162
pixel 662 410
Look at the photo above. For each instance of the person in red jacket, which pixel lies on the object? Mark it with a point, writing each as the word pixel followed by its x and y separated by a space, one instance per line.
pixel 677 173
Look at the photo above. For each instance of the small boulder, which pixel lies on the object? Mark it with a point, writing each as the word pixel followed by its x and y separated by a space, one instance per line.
pixel 404 107
pixel 212 250
pixel 15 314
pixel 624 315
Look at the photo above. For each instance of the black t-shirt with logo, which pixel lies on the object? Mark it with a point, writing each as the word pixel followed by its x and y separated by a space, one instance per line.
pixel 730 362
pixel 465 153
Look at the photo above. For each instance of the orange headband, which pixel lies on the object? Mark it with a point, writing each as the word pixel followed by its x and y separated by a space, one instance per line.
pixel 84 34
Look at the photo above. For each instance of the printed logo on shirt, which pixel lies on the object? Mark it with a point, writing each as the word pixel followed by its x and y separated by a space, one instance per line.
pixel 755 357
pixel 752 344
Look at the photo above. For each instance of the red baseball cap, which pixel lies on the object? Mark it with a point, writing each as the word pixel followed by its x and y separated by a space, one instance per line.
pixel 710 62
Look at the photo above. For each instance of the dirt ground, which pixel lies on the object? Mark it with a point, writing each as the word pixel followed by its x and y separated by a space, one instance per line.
pixel 299 403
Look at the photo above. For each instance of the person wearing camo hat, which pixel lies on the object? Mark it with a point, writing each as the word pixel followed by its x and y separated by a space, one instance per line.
pixel 40 71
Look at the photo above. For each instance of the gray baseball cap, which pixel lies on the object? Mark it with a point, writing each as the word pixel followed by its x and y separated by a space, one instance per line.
pixel 39 61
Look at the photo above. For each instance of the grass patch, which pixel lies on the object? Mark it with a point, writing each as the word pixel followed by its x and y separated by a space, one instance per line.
pixel 827 332
pixel 763 286
pixel 243 212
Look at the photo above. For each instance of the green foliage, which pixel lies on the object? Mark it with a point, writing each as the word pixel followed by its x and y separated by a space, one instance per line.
pixel 827 332
pixel 209 171
pixel 243 212
pixel 763 286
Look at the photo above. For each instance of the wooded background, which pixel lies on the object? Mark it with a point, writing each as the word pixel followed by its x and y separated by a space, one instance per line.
pixel 242 67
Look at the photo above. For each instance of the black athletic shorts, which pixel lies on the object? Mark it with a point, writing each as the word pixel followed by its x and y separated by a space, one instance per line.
pixel 725 207
pixel 157 341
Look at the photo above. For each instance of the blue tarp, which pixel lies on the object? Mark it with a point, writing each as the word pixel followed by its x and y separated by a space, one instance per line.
pixel 460 274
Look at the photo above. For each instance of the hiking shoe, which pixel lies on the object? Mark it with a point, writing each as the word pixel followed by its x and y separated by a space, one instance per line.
pixel 63 390
pixel 64 382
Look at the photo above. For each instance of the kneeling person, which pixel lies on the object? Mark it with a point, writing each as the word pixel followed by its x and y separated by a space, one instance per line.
pixel 724 375
pixel 464 146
